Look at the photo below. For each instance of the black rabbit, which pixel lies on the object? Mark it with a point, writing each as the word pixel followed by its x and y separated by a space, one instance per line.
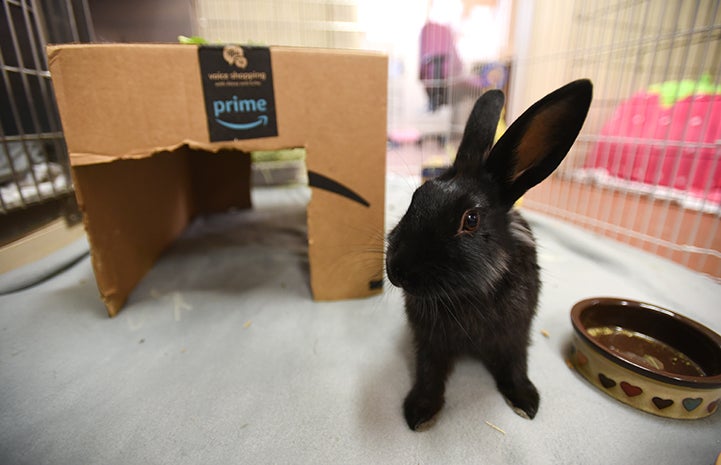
pixel 466 260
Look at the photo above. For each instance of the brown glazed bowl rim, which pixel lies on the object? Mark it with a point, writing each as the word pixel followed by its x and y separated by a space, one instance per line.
pixel 676 325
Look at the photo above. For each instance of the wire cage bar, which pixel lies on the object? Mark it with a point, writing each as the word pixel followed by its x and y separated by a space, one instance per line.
pixel 34 166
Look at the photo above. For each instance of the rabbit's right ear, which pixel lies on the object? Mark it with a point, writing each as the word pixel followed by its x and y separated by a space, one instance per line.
pixel 536 143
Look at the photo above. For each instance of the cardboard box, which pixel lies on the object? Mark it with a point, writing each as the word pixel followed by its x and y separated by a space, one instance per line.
pixel 141 123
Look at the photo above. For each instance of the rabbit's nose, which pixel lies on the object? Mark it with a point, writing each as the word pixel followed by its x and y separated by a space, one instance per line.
pixel 396 275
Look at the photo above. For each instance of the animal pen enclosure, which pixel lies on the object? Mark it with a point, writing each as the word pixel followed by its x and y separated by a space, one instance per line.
pixel 646 169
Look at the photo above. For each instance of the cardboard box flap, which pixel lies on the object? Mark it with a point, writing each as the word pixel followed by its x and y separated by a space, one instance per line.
pixel 134 209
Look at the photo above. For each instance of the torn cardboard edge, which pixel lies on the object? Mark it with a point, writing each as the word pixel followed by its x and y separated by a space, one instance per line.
pixel 136 128
pixel 80 159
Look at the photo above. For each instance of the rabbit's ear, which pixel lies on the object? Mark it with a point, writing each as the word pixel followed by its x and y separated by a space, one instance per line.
pixel 536 143
pixel 480 132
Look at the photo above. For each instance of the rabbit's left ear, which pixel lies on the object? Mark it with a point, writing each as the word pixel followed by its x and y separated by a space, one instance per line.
pixel 479 132
pixel 536 143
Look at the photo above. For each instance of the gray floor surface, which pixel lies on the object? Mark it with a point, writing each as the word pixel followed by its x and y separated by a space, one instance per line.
pixel 222 357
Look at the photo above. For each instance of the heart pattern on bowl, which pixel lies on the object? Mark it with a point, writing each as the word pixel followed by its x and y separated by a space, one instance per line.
pixel 661 403
pixel 691 404
pixel 630 389
pixel 641 394
pixel 713 405
pixel 606 382
pixel 581 359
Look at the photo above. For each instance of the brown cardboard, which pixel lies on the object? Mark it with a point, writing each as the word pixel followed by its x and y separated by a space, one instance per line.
pixel 135 126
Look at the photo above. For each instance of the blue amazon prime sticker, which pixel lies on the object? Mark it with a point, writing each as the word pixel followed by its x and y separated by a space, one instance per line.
pixel 238 90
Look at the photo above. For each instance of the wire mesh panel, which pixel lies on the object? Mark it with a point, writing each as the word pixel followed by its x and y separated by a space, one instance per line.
pixel 442 54
pixel 646 169
pixel 319 23
pixel 33 159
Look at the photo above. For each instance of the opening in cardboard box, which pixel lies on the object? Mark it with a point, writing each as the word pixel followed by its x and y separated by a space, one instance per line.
pixel 243 250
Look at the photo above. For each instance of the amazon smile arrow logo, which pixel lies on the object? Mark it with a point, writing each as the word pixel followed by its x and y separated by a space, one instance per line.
pixel 261 121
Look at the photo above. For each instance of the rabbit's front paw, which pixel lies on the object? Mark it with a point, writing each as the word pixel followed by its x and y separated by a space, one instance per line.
pixel 420 409
pixel 523 399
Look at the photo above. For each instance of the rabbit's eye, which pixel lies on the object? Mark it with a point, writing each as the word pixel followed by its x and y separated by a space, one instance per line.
pixel 471 221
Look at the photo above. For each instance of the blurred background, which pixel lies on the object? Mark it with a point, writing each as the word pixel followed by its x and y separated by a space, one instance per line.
pixel 646 169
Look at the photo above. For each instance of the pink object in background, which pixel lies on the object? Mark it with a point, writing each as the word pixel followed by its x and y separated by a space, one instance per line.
pixel 676 146
pixel 437 40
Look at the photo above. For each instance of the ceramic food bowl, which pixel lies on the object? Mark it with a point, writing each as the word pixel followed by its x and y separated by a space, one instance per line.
pixel 648 357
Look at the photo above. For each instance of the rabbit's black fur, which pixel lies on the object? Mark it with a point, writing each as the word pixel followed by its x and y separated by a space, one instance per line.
pixel 467 261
